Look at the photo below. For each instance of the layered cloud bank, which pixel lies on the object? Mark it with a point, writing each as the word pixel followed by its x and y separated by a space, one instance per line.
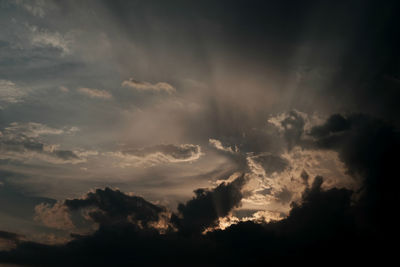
pixel 128 229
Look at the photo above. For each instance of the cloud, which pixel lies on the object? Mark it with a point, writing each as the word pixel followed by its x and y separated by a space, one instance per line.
pixel 293 125
pixel 45 38
pixel 208 205
pixel 275 177
pixel 284 196
pixel 107 207
pixel 22 141
pixel 10 92
pixel 95 93
pixel 9 236
pixel 271 163
pixel 146 86
pixel 35 7
pixel 9 240
pixel 33 129
pixel 64 89
pixel 110 206
pixel 218 145
pixel 158 154
pixel 321 223
pixel 319 226
pixel 54 216
pixel 369 148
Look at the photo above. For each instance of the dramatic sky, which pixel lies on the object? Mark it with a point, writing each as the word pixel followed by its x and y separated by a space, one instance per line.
pixel 154 132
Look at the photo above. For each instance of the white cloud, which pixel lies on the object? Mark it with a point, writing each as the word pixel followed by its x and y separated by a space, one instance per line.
pixel 94 93
pixel 146 86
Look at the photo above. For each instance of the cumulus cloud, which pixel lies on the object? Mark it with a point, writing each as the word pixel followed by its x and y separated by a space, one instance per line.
pixel 208 205
pixel 110 206
pixel 321 224
pixel 146 86
pixel 95 93
pixel 276 178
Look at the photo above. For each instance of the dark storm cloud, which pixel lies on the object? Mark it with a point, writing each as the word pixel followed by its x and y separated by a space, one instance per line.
pixel 207 206
pixel 313 229
pixel 10 236
pixel 369 147
pixel 9 240
pixel 113 207
pixel 320 225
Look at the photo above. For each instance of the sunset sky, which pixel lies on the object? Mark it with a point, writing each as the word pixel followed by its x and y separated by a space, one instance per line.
pixel 206 123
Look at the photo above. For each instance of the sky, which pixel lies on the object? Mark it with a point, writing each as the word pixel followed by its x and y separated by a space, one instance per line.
pixel 154 132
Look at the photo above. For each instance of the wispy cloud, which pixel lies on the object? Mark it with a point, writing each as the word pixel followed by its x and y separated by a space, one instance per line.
pixel 158 154
pixel 64 89
pixel 218 145
pixel 45 38
pixel 35 7
pixel 22 142
pixel 94 93
pixel 10 92
pixel 146 86
pixel 31 129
